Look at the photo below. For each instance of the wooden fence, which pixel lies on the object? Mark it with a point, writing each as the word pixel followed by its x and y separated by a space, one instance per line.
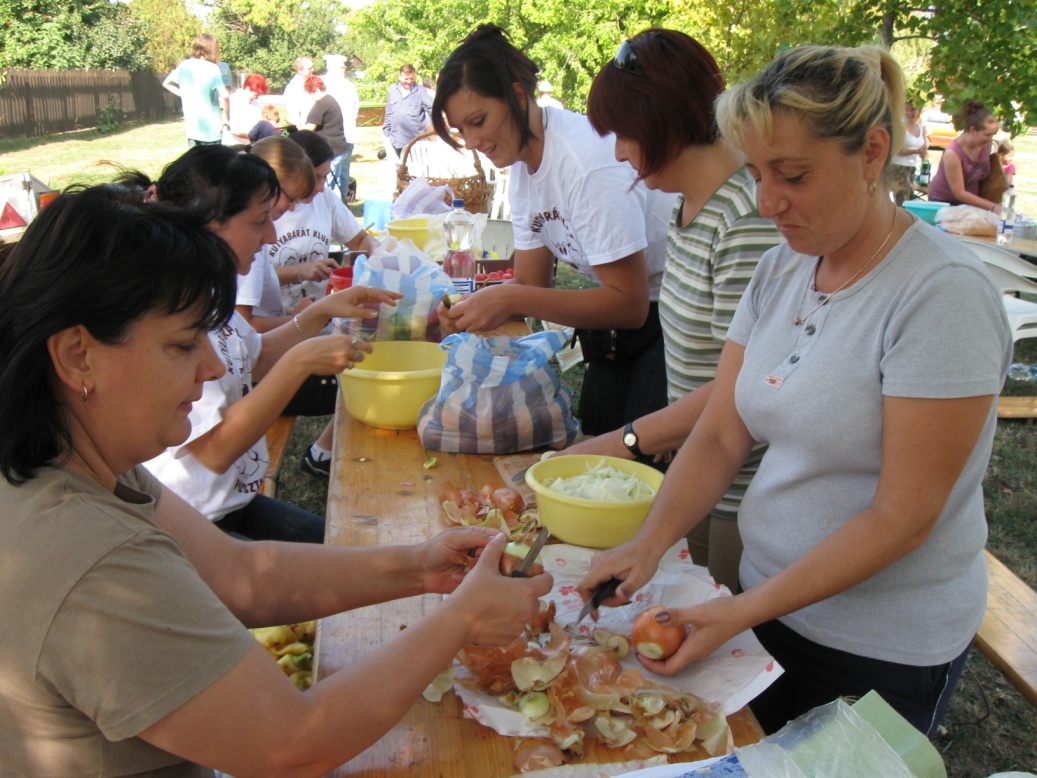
pixel 36 102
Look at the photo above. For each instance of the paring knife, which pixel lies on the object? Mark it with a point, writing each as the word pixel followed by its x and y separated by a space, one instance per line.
pixel 601 593
pixel 522 571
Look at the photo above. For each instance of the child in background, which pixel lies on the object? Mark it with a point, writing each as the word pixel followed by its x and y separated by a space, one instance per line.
pixel 1006 151
pixel 267 126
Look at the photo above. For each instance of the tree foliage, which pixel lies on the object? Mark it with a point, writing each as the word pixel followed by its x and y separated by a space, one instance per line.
pixel 62 35
pixel 170 30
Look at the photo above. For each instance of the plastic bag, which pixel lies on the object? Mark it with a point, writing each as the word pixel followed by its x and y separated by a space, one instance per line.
pixel 499 395
pixel 399 266
pixel 967 220
pixel 830 741
pixel 420 198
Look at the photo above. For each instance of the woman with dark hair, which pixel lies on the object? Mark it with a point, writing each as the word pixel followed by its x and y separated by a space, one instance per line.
pixel 130 608
pixel 220 466
pixel 571 200
pixel 657 97
pixel 863 528
pixel 966 162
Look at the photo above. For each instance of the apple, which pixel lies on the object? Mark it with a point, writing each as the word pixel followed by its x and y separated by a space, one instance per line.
pixel 654 640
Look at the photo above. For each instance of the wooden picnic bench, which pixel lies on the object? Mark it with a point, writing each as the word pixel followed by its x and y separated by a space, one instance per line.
pixel 1017 407
pixel 277 438
pixel 1008 634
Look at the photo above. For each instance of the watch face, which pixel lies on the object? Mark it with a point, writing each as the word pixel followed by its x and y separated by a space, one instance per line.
pixel 630 439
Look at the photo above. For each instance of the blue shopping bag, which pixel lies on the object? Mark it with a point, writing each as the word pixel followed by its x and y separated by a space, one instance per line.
pixel 499 395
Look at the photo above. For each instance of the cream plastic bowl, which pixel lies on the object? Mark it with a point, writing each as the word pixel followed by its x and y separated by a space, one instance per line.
pixel 389 387
pixel 417 228
pixel 589 522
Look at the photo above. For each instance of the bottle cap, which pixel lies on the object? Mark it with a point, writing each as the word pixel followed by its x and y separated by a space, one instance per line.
pixel 458 202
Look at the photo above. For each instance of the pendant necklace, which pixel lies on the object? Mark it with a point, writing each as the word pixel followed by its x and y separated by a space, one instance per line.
pixel 72 455
pixel 798 320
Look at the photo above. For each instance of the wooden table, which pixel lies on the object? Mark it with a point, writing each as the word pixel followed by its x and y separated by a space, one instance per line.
pixel 380 494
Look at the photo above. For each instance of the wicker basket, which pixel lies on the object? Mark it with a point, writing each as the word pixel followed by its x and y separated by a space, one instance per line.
pixel 476 191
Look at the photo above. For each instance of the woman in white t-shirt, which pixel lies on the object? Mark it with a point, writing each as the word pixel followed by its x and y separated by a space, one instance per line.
pixel 912 151
pixel 570 201
pixel 221 465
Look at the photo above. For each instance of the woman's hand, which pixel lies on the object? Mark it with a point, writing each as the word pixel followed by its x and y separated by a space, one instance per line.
pixel 304 303
pixel 317 270
pixel 330 354
pixel 709 625
pixel 609 444
pixel 447 557
pixel 634 563
pixel 486 309
pixel 357 302
pixel 495 608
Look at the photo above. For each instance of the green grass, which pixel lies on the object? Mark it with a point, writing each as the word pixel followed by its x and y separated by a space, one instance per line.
pixel 989 727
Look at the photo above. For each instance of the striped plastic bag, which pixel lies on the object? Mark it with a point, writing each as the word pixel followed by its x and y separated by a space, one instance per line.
pixel 499 395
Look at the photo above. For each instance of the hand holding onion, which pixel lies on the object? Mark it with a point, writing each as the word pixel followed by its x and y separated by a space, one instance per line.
pixel 496 608
pixel 707 626
pixel 447 557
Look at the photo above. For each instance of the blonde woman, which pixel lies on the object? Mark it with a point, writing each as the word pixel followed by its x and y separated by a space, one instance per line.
pixel 863 529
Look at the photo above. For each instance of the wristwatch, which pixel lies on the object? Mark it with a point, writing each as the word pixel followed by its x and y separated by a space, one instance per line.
pixel 630 441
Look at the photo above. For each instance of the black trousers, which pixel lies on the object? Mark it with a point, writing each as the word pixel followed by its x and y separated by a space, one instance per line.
pixel 815 675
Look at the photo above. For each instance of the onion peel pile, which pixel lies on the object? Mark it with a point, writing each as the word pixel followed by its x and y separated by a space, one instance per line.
pixel 580 691
pixel 292 646
pixel 492 506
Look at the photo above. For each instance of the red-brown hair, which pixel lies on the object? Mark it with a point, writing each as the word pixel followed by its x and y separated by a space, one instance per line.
pixel 313 84
pixel 663 101
pixel 257 84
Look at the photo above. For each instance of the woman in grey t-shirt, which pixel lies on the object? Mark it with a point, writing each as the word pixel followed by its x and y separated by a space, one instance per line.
pixel 867 353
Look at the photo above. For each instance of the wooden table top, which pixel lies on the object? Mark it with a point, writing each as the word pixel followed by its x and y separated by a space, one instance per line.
pixel 380 494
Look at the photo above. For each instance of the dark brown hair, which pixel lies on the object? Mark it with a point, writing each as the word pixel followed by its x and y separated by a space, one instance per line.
pixel 489 65
pixel 975 115
pixel 665 103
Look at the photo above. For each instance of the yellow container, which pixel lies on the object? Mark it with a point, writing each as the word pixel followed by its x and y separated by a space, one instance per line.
pixel 415 227
pixel 389 387
pixel 589 522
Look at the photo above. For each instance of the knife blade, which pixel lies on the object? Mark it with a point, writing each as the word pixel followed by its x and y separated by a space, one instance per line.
pixel 519 476
pixel 601 593
pixel 522 571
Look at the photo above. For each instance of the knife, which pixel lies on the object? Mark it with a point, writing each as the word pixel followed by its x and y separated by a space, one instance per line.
pixel 522 571
pixel 601 593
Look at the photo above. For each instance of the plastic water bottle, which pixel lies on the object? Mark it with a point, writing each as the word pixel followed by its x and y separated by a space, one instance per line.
pixel 1007 224
pixel 459 231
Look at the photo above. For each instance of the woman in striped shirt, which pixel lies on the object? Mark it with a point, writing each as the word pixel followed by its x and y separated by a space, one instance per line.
pixel 716 236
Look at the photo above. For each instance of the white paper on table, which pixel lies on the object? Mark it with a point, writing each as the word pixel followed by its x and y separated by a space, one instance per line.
pixel 732 675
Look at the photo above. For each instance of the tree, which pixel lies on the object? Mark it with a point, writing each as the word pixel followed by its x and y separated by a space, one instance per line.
pixel 170 30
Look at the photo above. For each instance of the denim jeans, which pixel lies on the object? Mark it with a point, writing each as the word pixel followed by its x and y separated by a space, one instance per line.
pixel 268 519
pixel 338 177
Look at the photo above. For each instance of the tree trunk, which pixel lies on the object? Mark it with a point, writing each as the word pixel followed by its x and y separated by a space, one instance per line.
pixel 886 30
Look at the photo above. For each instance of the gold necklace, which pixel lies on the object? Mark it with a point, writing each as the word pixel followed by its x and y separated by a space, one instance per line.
pixel 85 466
pixel 810 281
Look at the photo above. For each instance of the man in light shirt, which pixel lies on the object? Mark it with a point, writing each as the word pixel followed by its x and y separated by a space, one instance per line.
pixel 408 111
pixel 545 96
pixel 296 101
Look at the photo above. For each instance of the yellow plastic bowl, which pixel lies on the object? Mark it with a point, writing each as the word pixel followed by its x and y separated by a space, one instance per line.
pixel 416 228
pixel 589 522
pixel 389 387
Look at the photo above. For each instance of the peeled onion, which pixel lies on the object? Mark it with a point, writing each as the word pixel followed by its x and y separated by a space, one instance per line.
pixel 654 640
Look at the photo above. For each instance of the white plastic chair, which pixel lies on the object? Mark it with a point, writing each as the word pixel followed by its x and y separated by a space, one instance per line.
pixel 498 236
pixel 1002 257
pixel 1022 314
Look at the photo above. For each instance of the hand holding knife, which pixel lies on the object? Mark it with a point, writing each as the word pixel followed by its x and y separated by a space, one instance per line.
pixel 601 593
pixel 522 571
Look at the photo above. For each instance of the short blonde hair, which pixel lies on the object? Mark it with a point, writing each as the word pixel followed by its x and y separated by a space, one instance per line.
pixel 288 160
pixel 838 93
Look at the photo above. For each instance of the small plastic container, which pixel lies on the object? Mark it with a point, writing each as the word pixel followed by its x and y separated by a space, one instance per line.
pixel 341 278
pixel 377 213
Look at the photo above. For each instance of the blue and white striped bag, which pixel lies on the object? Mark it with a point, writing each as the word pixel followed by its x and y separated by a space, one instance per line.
pixel 499 395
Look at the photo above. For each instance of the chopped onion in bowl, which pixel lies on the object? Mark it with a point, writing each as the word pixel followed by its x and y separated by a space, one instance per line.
pixel 602 483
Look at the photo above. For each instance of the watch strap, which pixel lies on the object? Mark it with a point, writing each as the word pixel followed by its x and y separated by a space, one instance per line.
pixel 634 449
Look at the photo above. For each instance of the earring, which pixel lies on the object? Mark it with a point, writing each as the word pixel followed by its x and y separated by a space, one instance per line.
pixel 872 187
pixel 86 393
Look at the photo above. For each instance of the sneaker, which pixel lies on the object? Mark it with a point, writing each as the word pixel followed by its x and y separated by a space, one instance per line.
pixel 310 465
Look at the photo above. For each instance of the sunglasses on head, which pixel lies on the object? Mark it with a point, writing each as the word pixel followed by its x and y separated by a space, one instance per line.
pixel 626 60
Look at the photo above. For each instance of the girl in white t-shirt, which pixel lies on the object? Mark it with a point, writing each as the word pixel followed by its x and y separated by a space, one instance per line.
pixel 570 201
pixel 221 465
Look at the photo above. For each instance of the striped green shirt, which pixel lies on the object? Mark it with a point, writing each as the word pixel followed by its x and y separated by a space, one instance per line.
pixel 709 263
